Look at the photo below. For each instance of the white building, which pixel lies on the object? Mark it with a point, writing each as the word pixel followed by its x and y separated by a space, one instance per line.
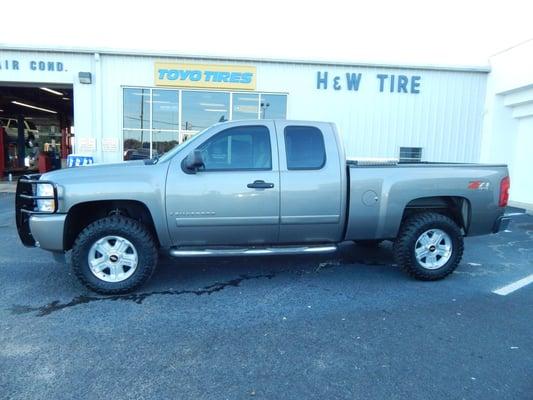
pixel 128 104
pixel 508 123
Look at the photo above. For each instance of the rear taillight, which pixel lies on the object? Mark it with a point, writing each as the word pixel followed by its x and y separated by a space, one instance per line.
pixel 505 184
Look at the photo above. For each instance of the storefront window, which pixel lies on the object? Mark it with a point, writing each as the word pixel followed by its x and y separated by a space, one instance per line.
pixel 155 121
pixel 201 109
pixel 163 141
pixel 136 108
pixel 245 106
pixel 165 109
pixel 273 106
pixel 165 120
pixel 136 144
pixel 136 124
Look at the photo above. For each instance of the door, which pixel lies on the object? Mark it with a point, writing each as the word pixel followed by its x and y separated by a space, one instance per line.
pixel 234 199
pixel 312 181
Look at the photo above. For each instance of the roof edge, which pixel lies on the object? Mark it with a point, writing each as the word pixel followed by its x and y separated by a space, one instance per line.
pixel 171 54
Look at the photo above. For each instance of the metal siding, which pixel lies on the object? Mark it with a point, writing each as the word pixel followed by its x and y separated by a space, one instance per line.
pixel 445 118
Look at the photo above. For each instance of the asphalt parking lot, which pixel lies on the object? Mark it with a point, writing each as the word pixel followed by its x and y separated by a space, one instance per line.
pixel 347 326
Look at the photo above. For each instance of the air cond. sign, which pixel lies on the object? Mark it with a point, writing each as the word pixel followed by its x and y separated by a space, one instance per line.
pixel 205 76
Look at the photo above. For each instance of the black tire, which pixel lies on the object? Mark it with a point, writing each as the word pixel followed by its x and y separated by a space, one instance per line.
pixel 411 230
pixel 128 228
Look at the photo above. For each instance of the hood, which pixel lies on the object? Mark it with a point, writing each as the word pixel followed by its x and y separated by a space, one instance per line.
pixel 92 171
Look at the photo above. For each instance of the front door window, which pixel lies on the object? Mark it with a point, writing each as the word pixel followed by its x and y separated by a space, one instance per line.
pixel 239 148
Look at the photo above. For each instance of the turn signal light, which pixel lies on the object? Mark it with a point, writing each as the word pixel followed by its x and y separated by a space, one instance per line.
pixel 505 184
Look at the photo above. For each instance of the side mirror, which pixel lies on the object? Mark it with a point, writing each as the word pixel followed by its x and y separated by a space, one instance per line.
pixel 193 162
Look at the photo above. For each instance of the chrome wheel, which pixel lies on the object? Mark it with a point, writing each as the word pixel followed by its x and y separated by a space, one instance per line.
pixel 113 259
pixel 433 248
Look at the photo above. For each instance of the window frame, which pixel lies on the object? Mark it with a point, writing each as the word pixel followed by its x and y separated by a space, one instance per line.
pixel 239 169
pixel 287 153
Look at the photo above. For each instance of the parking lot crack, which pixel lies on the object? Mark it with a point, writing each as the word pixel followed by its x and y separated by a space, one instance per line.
pixel 137 298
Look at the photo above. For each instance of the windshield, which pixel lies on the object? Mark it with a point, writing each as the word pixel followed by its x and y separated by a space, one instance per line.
pixel 169 154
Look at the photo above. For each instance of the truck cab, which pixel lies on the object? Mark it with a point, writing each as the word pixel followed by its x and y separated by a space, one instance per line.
pixel 254 185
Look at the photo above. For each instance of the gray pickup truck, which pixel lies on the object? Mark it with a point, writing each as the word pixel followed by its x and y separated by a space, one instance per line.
pixel 256 188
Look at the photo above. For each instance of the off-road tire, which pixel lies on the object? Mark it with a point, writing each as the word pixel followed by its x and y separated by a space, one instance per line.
pixel 131 230
pixel 410 231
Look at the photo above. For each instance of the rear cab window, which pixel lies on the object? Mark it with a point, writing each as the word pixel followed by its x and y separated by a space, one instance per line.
pixel 304 147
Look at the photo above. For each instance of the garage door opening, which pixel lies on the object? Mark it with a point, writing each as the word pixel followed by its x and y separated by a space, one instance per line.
pixel 36 126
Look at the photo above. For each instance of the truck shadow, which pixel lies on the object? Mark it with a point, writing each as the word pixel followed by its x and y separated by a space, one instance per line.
pixel 210 276
pixel 349 255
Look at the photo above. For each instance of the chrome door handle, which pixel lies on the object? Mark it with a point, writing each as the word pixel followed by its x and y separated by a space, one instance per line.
pixel 260 185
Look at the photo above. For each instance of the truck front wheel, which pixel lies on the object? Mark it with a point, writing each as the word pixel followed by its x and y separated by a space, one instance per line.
pixel 429 246
pixel 114 255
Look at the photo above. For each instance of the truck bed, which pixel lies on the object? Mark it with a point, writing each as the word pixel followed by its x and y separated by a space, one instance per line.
pixel 381 190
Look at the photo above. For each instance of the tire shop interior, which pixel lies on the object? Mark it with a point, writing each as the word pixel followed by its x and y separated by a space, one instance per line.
pixel 36 127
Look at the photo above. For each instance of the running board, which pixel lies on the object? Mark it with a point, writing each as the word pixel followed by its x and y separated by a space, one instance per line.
pixel 255 251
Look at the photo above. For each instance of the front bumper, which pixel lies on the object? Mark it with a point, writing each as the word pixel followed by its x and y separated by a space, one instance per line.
pixel 47 231
pixel 501 224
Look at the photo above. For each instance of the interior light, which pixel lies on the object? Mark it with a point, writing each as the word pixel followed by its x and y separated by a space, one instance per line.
pixel 18 103
pixel 215 110
pixel 52 91
pixel 246 109
pixel 147 93
pixel 65 98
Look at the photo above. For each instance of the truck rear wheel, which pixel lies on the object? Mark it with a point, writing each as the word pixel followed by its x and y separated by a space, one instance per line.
pixel 114 255
pixel 429 246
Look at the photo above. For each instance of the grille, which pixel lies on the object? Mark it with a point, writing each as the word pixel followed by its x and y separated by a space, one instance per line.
pixel 26 205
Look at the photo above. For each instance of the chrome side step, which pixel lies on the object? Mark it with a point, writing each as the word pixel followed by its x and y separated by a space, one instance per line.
pixel 254 251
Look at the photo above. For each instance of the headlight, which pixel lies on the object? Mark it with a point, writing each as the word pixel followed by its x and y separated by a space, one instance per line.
pixel 45 189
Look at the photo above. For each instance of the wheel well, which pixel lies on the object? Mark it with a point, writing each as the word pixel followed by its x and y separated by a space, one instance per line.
pixel 83 214
pixel 455 207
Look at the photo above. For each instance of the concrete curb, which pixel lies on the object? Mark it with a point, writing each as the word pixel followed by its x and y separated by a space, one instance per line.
pixel 527 207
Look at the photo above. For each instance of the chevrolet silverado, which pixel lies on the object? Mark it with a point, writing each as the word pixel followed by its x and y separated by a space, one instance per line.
pixel 256 187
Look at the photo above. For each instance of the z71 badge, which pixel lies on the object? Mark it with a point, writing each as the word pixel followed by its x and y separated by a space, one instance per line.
pixel 479 185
